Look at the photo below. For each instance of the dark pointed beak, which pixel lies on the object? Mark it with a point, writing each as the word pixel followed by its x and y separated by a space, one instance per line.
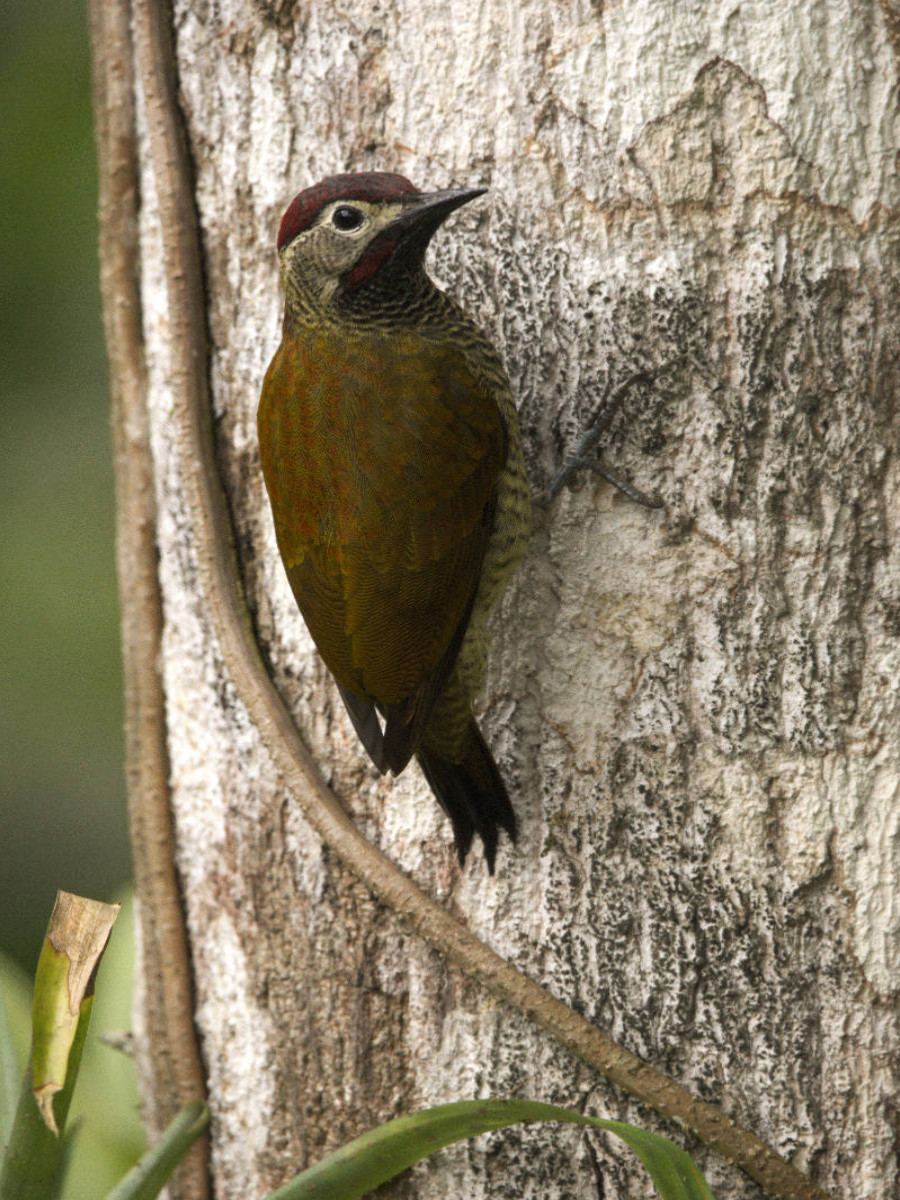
pixel 428 210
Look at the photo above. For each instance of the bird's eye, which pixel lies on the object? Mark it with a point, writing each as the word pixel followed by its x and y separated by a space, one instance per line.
pixel 346 218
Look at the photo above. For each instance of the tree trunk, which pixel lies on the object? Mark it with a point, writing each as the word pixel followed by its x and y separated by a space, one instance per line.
pixel 695 709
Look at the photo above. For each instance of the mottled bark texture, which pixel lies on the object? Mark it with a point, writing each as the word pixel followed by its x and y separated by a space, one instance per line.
pixel 696 709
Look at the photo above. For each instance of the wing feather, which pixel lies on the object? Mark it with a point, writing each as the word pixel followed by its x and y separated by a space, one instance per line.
pixel 382 457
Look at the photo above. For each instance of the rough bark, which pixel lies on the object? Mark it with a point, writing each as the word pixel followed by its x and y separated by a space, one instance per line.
pixel 696 710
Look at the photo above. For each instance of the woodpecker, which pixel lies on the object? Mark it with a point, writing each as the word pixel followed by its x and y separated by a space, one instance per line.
pixel 390 449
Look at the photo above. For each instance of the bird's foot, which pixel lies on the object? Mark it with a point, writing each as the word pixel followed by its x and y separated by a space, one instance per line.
pixel 583 454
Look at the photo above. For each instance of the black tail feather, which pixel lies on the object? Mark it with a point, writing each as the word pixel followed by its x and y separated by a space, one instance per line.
pixel 471 793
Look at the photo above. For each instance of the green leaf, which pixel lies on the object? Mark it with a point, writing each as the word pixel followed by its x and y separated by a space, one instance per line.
pixel 63 992
pixel 110 1136
pixel 147 1178
pixel 384 1152
pixel 676 1175
pixel 33 1161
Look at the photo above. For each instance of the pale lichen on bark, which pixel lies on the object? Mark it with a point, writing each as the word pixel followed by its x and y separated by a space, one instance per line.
pixel 696 710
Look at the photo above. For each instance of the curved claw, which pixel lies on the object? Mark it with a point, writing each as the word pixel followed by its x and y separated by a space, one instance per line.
pixel 582 456
pixel 626 488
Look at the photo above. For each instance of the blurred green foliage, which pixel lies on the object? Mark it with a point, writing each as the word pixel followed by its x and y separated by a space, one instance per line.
pixel 62 813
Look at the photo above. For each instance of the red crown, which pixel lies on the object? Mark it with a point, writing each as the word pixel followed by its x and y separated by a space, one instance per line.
pixel 374 186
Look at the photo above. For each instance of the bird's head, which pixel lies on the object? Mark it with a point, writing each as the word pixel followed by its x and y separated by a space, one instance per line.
pixel 353 242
